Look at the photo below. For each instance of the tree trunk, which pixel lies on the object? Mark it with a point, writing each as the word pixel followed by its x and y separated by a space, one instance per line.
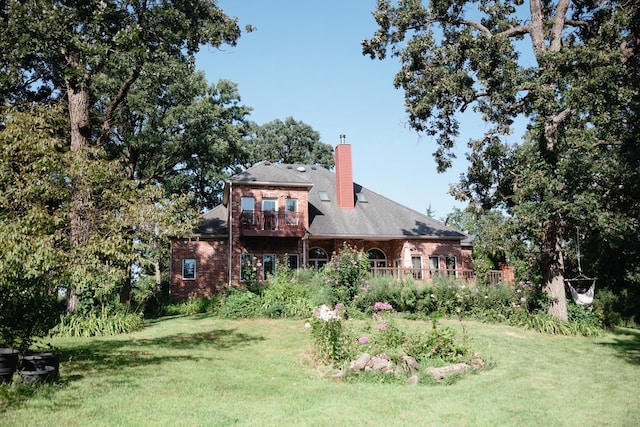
pixel 553 269
pixel 158 272
pixel 80 225
pixel 80 138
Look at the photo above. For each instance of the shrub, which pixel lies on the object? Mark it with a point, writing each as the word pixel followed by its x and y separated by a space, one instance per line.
pixel 97 324
pixel 284 296
pixel 191 306
pixel 330 341
pixel 335 342
pixel 346 272
pixel 240 304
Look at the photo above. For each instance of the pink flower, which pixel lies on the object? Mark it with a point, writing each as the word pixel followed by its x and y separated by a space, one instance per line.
pixel 363 340
pixel 382 306
pixel 382 326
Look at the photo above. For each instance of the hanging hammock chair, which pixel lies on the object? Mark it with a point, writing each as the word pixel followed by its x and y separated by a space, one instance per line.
pixel 580 293
pixel 582 288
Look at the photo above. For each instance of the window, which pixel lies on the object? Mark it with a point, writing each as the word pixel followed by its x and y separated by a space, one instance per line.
pixel 434 265
pixel 269 217
pixel 291 205
pixel 247 204
pixel 291 209
pixel 416 265
pixel 324 196
pixel 361 198
pixel 269 205
pixel 247 207
pixel 268 265
pixel 452 265
pixel 189 268
pixel 317 258
pixel 292 261
pixel 377 260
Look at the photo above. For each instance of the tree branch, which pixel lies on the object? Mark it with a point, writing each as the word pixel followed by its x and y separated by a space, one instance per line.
pixel 477 26
pixel 552 125
pixel 515 31
pixel 122 93
pixel 555 38
pixel 537 26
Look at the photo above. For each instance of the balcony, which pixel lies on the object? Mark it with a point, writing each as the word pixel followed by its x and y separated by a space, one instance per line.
pixel 271 224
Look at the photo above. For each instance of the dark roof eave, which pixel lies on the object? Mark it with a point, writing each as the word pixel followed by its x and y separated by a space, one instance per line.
pixel 225 195
pixel 382 237
pixel 271 183
pixel 208 236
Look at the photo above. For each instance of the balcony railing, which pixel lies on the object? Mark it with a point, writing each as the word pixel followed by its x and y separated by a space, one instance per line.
pixel 427 275
pixel 271 223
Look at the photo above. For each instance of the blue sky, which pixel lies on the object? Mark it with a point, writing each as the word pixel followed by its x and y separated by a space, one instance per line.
pixel 305 61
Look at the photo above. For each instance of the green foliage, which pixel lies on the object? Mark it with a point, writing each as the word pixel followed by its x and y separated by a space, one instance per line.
pixel 191 306
pixel 345 272
pixel 285 296
pixel 97 324
pixel 291 142
pixel 240 304
pixel 33 220
pixel 331 342
pixel 337 340
pixel 578 164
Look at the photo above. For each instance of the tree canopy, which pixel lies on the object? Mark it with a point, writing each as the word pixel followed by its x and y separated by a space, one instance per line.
pixel 288 141
pixel 570 68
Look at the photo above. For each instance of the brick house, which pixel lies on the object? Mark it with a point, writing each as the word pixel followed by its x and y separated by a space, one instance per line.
pixel 300 215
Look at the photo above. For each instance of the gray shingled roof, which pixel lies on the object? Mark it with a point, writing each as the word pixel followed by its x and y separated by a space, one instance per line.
pixel 377 217
pixel 214 222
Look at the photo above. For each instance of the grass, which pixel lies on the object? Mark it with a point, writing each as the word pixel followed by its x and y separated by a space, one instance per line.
pixel 204 371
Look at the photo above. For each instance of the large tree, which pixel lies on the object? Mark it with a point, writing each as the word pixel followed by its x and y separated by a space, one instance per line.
pixel 33 217
pixel 58 49
pixel 90 56
pixel 568 67
pixel 288 141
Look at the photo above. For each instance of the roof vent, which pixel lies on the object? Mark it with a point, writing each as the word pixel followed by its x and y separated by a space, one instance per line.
pixel 300 169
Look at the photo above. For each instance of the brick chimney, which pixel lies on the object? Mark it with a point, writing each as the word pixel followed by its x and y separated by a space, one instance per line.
pixel 344 175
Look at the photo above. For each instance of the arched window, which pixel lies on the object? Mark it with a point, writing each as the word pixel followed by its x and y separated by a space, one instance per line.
pixel 377 258
pixel 317 258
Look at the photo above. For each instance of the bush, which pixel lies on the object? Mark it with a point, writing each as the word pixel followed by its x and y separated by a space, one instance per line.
pixel 191 306
pixel 28 310
pixel 346 272
pixel 240 304
pixel 97 324
pixel 330 341
pixel 284 296
pixel 337 340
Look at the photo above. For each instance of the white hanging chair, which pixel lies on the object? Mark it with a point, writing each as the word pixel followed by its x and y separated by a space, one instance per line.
pixel 581 294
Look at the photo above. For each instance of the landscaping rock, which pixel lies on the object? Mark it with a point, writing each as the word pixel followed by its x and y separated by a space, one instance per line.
pixel 360 363
pixel 409 364
pixel 366 362
pixel 440 373
pixel 413 379
pixel 380 364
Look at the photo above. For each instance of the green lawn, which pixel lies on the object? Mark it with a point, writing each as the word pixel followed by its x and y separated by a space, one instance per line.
pixel 203 371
